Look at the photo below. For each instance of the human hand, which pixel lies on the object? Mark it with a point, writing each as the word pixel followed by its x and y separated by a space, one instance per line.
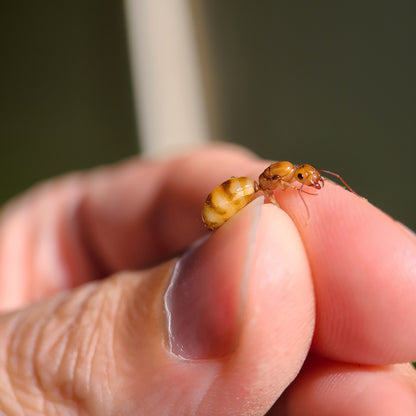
pixel 224 330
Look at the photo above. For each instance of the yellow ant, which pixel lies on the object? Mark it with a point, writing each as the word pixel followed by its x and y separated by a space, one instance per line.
pixel 235 193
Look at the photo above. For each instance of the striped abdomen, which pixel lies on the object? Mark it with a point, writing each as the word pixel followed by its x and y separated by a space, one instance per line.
pixel 226 200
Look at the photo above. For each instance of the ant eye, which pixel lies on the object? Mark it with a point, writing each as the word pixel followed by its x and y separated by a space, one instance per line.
pixel 300 176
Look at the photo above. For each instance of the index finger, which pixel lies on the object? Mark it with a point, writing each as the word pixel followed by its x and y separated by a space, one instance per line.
pixel 364 269
pixel 143 212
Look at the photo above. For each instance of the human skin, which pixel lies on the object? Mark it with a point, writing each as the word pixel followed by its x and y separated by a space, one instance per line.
pixel 116 301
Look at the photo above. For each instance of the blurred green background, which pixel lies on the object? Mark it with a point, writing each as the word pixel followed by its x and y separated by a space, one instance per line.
pixel 327 83
pixel 66 100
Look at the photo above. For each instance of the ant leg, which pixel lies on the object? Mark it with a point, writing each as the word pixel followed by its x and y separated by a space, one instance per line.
pixel 270 196
pixel 297 189
pixel 273 200
pixel 309 193
pixel 287 184
pixel 306 207
pixel 304 203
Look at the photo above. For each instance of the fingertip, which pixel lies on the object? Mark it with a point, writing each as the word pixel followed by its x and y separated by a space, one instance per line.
pixel 363 263
pixel 326 388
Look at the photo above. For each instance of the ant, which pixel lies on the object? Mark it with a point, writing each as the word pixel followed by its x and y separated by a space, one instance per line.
pixel 235 193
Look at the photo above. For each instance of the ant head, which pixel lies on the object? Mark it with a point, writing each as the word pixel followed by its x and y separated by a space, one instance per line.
pixel 309 176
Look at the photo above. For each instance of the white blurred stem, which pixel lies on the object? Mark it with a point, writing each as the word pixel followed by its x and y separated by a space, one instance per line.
pixel 170 108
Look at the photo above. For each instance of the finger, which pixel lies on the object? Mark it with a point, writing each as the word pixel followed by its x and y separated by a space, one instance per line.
pixel 87 226
pixel 330 388
pixel 364 269
pixel 152 210
pixel 241 313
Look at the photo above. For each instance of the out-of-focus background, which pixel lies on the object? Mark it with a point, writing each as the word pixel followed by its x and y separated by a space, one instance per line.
pixel 327 83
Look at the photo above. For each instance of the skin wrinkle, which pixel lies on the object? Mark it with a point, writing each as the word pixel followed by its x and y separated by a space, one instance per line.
pixel 18 368
pixel 67 367
pixel 102 311
pixel 108 307
pixel 59 345
pixel 51 400
pixel 117 311
pixel 86 359
pixel 103 354
pixel 65 395
pixel 74 329
pixel 38 346
pixel 344 378
pixel 82 361
pixel 88 347
pixel 367 386
pixel 117 308
pixel 9 343
pixel 62 359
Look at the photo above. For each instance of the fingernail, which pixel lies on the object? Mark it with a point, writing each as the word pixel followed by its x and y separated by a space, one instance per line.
pixel 205 299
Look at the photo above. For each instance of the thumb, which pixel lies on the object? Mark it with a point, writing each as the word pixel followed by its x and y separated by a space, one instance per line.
pixel 223 330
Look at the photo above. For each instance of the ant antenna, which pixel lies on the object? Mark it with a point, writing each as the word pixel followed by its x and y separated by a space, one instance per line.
pixel 339 177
